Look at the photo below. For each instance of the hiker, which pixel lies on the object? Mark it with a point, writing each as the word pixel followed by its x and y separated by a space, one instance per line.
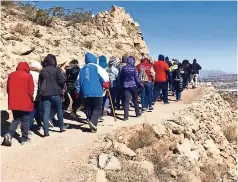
pixel 113 74
pixel 168 61
pixel 186 68
pixel 171 69
pixel 177 76
pixel 129 79
pixel 162 76
pixel 147 76
pixel 72 72
pixel 20 90
pixel 120 95
pixel 51 84
pixel 89 85
pixel 195 72
pixel 35 68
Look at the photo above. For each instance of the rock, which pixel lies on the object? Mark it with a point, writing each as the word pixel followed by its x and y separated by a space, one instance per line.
pixel 177 131
pixel 211 147
pixel 100 176
pixel 148 166
pixel 109 162
pixel 122 148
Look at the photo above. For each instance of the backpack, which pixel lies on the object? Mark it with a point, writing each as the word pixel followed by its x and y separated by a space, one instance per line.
pixel 142 74
pixel 71 76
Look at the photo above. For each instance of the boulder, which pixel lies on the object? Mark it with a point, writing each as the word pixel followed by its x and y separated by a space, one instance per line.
pixel 123 149
pixel 109 162
pixel 100 176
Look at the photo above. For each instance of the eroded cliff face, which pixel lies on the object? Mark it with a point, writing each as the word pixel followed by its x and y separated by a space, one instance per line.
pixel 112 33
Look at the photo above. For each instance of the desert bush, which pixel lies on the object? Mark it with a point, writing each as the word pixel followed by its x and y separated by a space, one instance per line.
pixel 230 132
pixel 118 45
pixel 142 139
pixel 212 172
pixel 37 33
pixel 88 44
pixel 8 4
pixel 21 29
pixel 56 43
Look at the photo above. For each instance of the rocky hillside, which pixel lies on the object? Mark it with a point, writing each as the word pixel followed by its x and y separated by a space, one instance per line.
pixel 197 144
pixel 112 33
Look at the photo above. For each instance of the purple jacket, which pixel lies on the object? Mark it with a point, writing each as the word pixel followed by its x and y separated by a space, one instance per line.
pixel 129 76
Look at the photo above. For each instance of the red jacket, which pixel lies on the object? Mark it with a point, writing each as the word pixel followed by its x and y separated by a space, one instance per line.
pixel 161 68
pixel 20 89
pixel 147 66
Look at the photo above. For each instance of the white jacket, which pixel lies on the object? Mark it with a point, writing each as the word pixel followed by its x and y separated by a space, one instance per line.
pixel 35 76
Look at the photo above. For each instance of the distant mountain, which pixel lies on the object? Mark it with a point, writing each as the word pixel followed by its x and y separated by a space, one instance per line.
pixel 209 73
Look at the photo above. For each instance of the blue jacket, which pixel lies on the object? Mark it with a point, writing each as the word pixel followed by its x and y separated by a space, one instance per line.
pixel 91 78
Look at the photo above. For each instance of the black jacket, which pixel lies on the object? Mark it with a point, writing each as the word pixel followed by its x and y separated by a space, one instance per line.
pixel 178 80
pixel 72 72
pixel 195 68
pixel 51 79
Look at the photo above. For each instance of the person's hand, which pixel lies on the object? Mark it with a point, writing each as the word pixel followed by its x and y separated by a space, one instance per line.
pixel 106 85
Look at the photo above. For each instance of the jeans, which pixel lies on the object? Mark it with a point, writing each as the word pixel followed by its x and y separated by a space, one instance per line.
pixel 93 106
pixel 114 93
pixel 23 118
pixel 128 92
pixel 47 101
pixel 156 93
pixel 178 95
pixel 119 97
pixel 35 114
pixel 185 80
pixel 146 95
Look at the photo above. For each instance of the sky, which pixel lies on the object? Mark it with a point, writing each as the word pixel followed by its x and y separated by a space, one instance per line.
pixel 203 30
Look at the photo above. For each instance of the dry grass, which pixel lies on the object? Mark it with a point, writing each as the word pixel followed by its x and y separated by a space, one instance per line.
pixel 21 29
pixel 230 132
pixel 212 172
pixel 142 139
pixel 88 44
pixel 118 45
pixel 56 43
pixel 37 33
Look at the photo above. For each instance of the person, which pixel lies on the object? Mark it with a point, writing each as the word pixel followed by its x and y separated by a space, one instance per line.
pixel 20 90
pixel 186 68
pixel 195 72
pixel 162 76
pixel 89 85
pixel 35 68
pixel 171 69
pixel 113 74
pixel 129 78
pixel 120 95
pixel 177 76
pixel 51 84
pixel 72 72
pixel 147 76
pixel 168 61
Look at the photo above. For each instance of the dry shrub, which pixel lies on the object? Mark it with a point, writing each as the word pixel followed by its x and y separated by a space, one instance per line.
pixel 56 43
pixel 21 29
pixel 212 172
pixel 88 44
pixel 37 33
pixel 129 173
pixel 118 45
pixel 230 132
pixel 8 4
pixel 142 139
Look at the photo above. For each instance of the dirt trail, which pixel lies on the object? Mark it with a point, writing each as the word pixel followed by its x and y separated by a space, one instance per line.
pixel 64 156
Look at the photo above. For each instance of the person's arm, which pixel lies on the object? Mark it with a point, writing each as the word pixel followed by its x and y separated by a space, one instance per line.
pixel 31 87
pixel 103 77
pixel 138 81
pixel 199 67
pixel 77 84
pixel 60 77
pixel 152 72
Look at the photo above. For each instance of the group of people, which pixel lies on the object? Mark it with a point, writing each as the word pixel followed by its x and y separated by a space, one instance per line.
pixel 39 91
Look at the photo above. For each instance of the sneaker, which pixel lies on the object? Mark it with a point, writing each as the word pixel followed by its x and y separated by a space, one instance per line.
pixel 104 113
pixel 151 108
pixel 92 127
pixel 125 118
pixel 144 109
pixel 7 141
pixel 29 132
pixel 74 115
pixel 25 140
pixel 166 102
pixel 46 134
pixel 100 119
pixel 51 125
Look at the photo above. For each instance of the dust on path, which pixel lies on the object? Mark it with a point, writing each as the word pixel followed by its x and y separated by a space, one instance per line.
pixel 64 156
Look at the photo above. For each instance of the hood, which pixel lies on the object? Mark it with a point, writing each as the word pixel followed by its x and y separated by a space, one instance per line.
pixel 113 61
pixel 161 57
pixel 103 62
pixel 194 61
pixel 23 66
pixel 124 58
pixel 131 61
pixel 50 60
pixel 90 58
pixel 167 58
